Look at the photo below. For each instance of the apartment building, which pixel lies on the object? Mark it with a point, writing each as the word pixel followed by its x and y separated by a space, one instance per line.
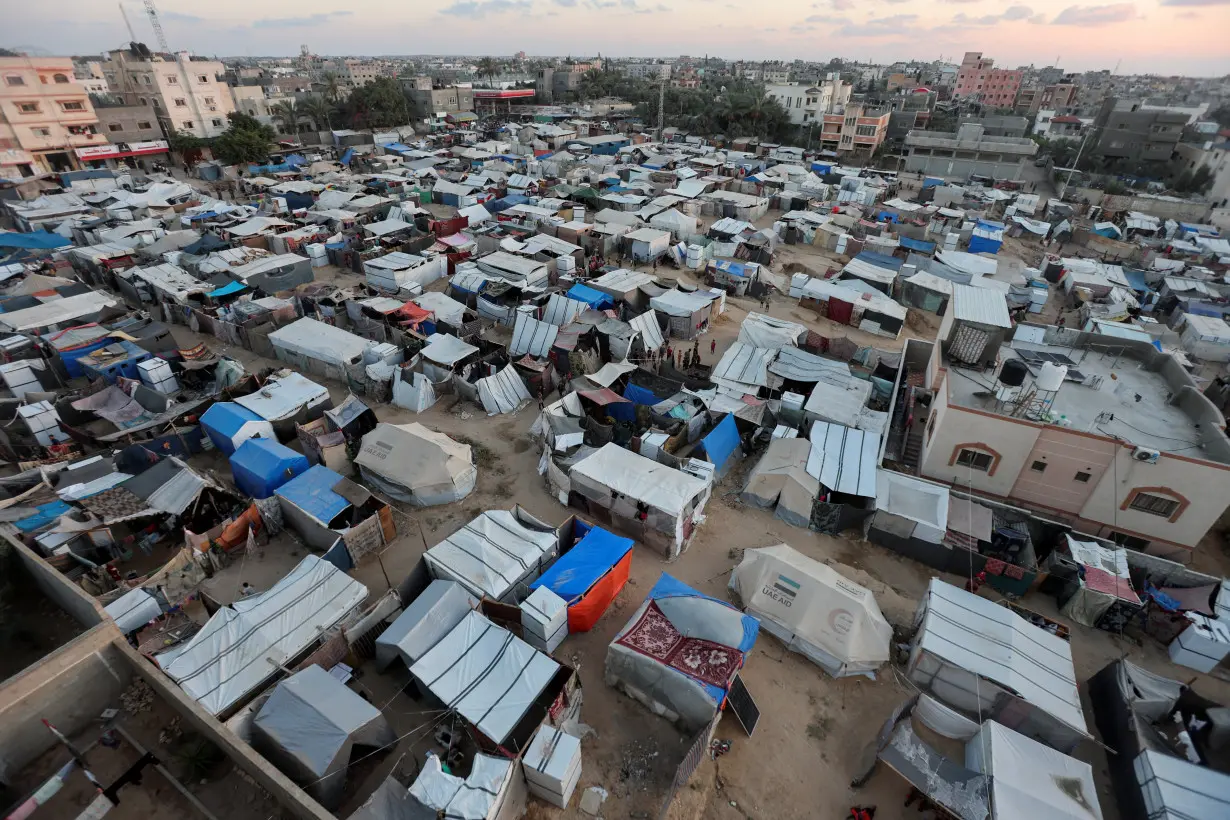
pixel 650 71
pixel 1129 131
pixel 1055 96
pixel 46 117
pixel 967 151
pixel 808 103
pixel 979 79
pixel 1215 156
pixel 996 125
pixel 854 128
pixel 562 82
pixel 429 101
pixel 188 93
pixel 132 131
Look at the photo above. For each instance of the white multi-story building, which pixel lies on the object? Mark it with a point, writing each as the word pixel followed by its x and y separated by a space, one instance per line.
pixel 651 71
pixel 809 103
pixel 188 93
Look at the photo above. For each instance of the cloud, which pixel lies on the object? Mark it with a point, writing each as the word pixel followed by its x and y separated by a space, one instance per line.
pixel 1095 15
pixel 177 17
pixel 1011 13
pixel 843 5
pixel 565 3
pixel 881 26
pixel 482 8
pixel 1187 15
pixel 300 22
pixel 1195 2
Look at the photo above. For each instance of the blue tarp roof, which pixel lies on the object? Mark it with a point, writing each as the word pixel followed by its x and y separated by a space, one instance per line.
pixel 312 492
pixel 916 244
pixel 47 514
pixel 223 420
pixel 584 565
pixel 208 242
pixel 731 267
pixel 497 205
pixel 594 298
pixel 227 290
pixel 721 442
pixel 36 240
pixel 669 586
pixel 260 466
pixel 1136 280
pixel 347 156
pixel 881 260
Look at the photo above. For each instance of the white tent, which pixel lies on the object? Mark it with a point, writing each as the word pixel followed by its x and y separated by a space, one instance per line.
pixel 308 338
pixel 1030 780
pixel 503 392
pixel 764 331
pixel 651 332
pixel 493 790
pixel 422 624
pixel 491 555
pixel 814 610
pixel 310 725
pixel 487 674
pixel 242 645
pixel 417 465
pixel 532 336
pixel 133 610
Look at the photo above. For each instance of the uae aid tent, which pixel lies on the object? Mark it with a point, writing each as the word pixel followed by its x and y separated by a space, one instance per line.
pixel 243 644
pixel 814 610
pixel 416 465
pixel 679 653
pixel 309 727
pixel 485 673
pixel 589 576
pixel 493 554
pixel 1030 780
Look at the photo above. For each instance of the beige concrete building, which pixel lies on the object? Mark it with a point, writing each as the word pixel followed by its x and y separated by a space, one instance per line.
pixel 1126 448
pixel 45 117
pixel 189 94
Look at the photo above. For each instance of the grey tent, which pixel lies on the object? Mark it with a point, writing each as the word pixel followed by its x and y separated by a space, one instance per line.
pixel 391 801
pixel 309 726
pixel 780 480
pixel 429 618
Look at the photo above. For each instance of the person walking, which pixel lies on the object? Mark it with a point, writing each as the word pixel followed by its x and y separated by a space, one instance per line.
pixel 712 347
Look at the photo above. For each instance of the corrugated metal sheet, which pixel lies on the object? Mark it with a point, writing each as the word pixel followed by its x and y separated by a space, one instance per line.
pixel 980 305
pixel 843 459
pixel 801 366
pixel 532 336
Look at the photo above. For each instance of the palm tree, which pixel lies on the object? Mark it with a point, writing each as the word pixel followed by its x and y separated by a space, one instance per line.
pixel 318 111
pixel 286 113
pixel 332 87
pixel 488 67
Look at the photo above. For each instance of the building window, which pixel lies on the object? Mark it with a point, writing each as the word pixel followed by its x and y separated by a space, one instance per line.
pixel 975 460
pixel 1154 504
pixel 145 78
pixel 142 101
pixel 172 79
pixel 73 105
pixel 180 102
pixel 143 125
pixel 210 101
pixel 188 125
pixel 931 427
pixel 201 78
pixel 28 108
pixel 41 132
pixel 14 79
pixel 1083 476
pixel 217 123
pixel 1038 466
pixel 115 127
pixel 1129 541
pixel 60 78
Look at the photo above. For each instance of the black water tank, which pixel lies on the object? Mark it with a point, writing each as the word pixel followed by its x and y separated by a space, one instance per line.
pixel 1013 373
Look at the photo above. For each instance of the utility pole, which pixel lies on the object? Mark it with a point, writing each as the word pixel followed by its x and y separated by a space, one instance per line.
pixel 661 108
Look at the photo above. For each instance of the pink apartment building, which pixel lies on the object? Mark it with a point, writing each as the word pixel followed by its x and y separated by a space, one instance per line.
pixel 979 79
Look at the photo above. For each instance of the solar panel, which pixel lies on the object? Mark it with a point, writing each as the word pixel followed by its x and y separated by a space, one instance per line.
pixel 741 703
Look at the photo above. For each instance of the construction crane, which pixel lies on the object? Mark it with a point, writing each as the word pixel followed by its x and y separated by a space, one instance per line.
pixel 153 19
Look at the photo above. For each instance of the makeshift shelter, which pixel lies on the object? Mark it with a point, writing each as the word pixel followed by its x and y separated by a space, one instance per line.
pixel 244 644
pixel 496 555
pixel 260 466
pixel 416 465
pixel 493 790
pixel 324 507
pixel 229 425
pixel 133 610
pixel 983 659
pixel 390 801
pixel 656 502
pixel 780 480
pixel 589 576
pixel 911 518
pixel 679 653
pixel 1098 581
pixel 1030 780
pixel 814 610
pixel 423 623
pixel 503 392
pixel 309 728
pixel 286 398
pixel 311 345
pixel 489 676
pixel 688 314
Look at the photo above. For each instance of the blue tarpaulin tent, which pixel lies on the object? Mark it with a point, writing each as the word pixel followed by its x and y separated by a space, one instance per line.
pixel 227 290
pixel 916 244
pixel 347 156
pixel 931 182
pixel 497 205
pixel 229 425
pixel 260 466
pixel 589 576
pixel 721 443
pixel 45 514
pixel 312 492
pixel 594 298
pixel 398 147
pixel 987 237
pixel 1136 280
pixel 639 395
pixel 36 240
pixel 881 260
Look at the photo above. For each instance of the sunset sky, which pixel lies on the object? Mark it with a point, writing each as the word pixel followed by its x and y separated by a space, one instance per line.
pixel 1156 36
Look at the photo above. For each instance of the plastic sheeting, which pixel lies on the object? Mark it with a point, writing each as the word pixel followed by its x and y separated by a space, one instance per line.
pixel 813 609
pixel 721 443
pixel 641 479
pixel 492 554
pixel 577 577
pixel 924 503
pixel 260 466
pixel 487 674
pixel 651 333
pixel 480 796
pixel 424 623
pixel 843 459
pixel 243 644
pixel 504 392
pixel 759 330
pixel 133 610
pixel 532 336
pixel 561 310
pixel 1030 780
pixel 416 465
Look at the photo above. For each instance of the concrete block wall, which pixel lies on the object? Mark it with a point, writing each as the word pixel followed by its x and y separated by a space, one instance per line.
pixel 63 592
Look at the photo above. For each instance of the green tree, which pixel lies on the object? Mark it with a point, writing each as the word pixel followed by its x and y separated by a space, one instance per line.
pixel 379 104
pixel 246 140
pixel 183 141
pixel 318 111
pixel 488 67
pixel 287 113
pixel 331 88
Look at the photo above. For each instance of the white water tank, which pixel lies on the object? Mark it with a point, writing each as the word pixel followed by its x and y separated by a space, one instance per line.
pixel 1051 376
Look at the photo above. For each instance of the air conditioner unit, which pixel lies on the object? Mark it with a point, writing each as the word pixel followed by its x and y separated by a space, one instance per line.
pixel 1146 455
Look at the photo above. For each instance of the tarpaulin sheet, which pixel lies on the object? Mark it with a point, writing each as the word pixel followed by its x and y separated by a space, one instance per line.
pixel 594 298
pixel 36 240
pixel 639 395
pixel 722 442
pixel 577 570
pixel 916 244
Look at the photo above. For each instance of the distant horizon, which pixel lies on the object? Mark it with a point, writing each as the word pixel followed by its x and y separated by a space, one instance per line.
pixel 1163 38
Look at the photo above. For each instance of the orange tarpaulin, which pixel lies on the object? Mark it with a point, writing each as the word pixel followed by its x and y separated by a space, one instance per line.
pixel 584 613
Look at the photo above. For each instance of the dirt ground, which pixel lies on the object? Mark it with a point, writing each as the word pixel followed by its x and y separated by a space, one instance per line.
pixel 801 759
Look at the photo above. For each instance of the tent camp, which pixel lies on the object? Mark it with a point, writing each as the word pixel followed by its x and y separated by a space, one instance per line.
pixel 502 393
pixel 780 480
pixel 416 465
pixel 262 465
pixel 133 610
pixel 496 555
pixel 589 576
pixel 493 790
pixel 309 727
pixel 657 503
pixel 487 674
pixel 814 610
pixel 664 657
pixel 422 624
pixel 1030 780
pixel 229 425
pixel 244 644
pixel 981 658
